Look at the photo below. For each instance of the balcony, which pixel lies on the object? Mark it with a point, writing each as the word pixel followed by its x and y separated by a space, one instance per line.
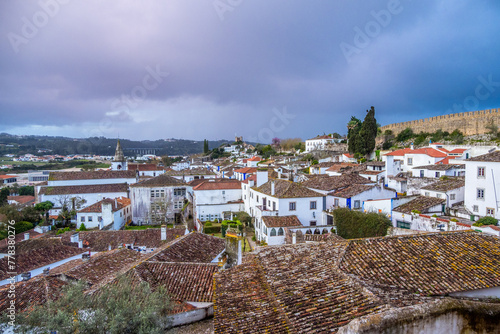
pixel 265 211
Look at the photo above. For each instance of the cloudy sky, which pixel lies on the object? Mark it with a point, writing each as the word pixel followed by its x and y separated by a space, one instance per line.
pixel 261 69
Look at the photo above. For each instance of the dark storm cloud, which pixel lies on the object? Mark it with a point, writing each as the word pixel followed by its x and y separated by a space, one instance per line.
pixel 101 68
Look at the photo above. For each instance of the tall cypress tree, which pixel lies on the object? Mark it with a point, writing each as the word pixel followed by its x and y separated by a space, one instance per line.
pixel 205 146
pixel 367 133
pixel 353 128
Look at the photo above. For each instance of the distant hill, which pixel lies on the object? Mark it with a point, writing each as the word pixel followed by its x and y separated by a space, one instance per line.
pixel 13 144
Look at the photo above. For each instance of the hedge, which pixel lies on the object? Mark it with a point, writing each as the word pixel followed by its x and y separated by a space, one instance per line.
pixel 356 224
pixel 211 229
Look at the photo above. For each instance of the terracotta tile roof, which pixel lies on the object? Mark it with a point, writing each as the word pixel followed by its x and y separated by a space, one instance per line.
pixel 85 189
pixel 246 170
pixel 194 171
pixel 36 253
pixel 488 157
pixel 353 190
pixel 97 207
pixel 193 247
pixel 420 203
pixel 29 294
pixel 432 152
pixel 164 180
pixel 458 150
pixel 255 158
pixel 400 153
pixel 281 221
pixel 439 166
pixel 191 282
pixel 144 167
pixel 286 189
pixel 5 177
pixel 19 238
pixel 345 167
pixel 100 241
pixel 375 163
pixel 446 185
pixel 92 175
pixel 290 288
pixel 96 269
pixel 427 264
pixel 250 178
pixel 21 199
pixel 330 183
pixel 218 184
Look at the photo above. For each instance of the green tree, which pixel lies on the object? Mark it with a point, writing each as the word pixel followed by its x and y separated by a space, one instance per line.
pixel 457 137
pixel 4 193
pixel 23 226
pixel 30 214
pixel 353 128
pixel 405 135
pixel 121 307
pixel 27 191
pixel 44 208
pixel 357 224
pixel 205 146
pixel 367 133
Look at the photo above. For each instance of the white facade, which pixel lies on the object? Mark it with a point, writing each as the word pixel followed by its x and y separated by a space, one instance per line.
pixel 452 196
pixel 434 173
pixel 162 200
pixel 90 198
pixel 86 182
pixel 356 202
pixel 482 188
pixel 210 204
pixel 101 219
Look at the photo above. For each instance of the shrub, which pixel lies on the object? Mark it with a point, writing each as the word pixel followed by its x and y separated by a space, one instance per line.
pixel 211 229
pixel 23 227
pixel 356 224
pixel 485 221
pixel 82 227
pixel 208 224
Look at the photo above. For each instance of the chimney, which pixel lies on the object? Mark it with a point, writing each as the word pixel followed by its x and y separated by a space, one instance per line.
pixel 85 257
pixel 412 147
pixel 294 238
pixel 163 233
pixel 26 276
pixel 116 204
pixel 272 188
pixel 46 271
pixel 26 236
pixel 109 247
pixel 80 243
pixel 262 177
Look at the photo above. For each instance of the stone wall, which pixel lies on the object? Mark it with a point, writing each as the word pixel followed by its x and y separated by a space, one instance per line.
pixel 470 123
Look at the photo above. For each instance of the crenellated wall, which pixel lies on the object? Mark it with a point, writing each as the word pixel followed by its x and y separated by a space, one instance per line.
pixel 470 123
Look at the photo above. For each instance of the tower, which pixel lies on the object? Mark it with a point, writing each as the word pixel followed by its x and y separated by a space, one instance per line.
pixel 119 163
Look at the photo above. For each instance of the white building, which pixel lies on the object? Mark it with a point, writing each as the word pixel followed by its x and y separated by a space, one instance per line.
pixel 152 170
pixel 253 161
pixel 320 142
pixel 284 198
pixel 214 198
pixel 353 196
pixel 119 162
pixel 115 212
pixel 158 200
pixel 188 175
pixel 438 170
pixel 482 185
pixel 241 174
pixel 452 190
pixel 403 215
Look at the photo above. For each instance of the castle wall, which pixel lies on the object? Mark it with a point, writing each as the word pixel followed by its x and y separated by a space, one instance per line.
pixel 469 123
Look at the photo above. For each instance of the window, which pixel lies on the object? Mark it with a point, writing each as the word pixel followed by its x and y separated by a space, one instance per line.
pixel 490 212
pixel 82 219
pixel 312 205
pixel 329 220
pixel 438 195
pixel 336 202
pixel 223 192
pixel 452 197
pixel 401 224
pixel 292 206
pixel 274 206
pixel 480 193
pixel 438 174
pixel 257 198
pixel 281 231
pixel 410 161
pixel 427 193
pixel 312 223
pixel 480 172
pixel 90 218
pixel 475 208
pixel 273 232
pixel 357 204
pixel 99 219
pixel 245 196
